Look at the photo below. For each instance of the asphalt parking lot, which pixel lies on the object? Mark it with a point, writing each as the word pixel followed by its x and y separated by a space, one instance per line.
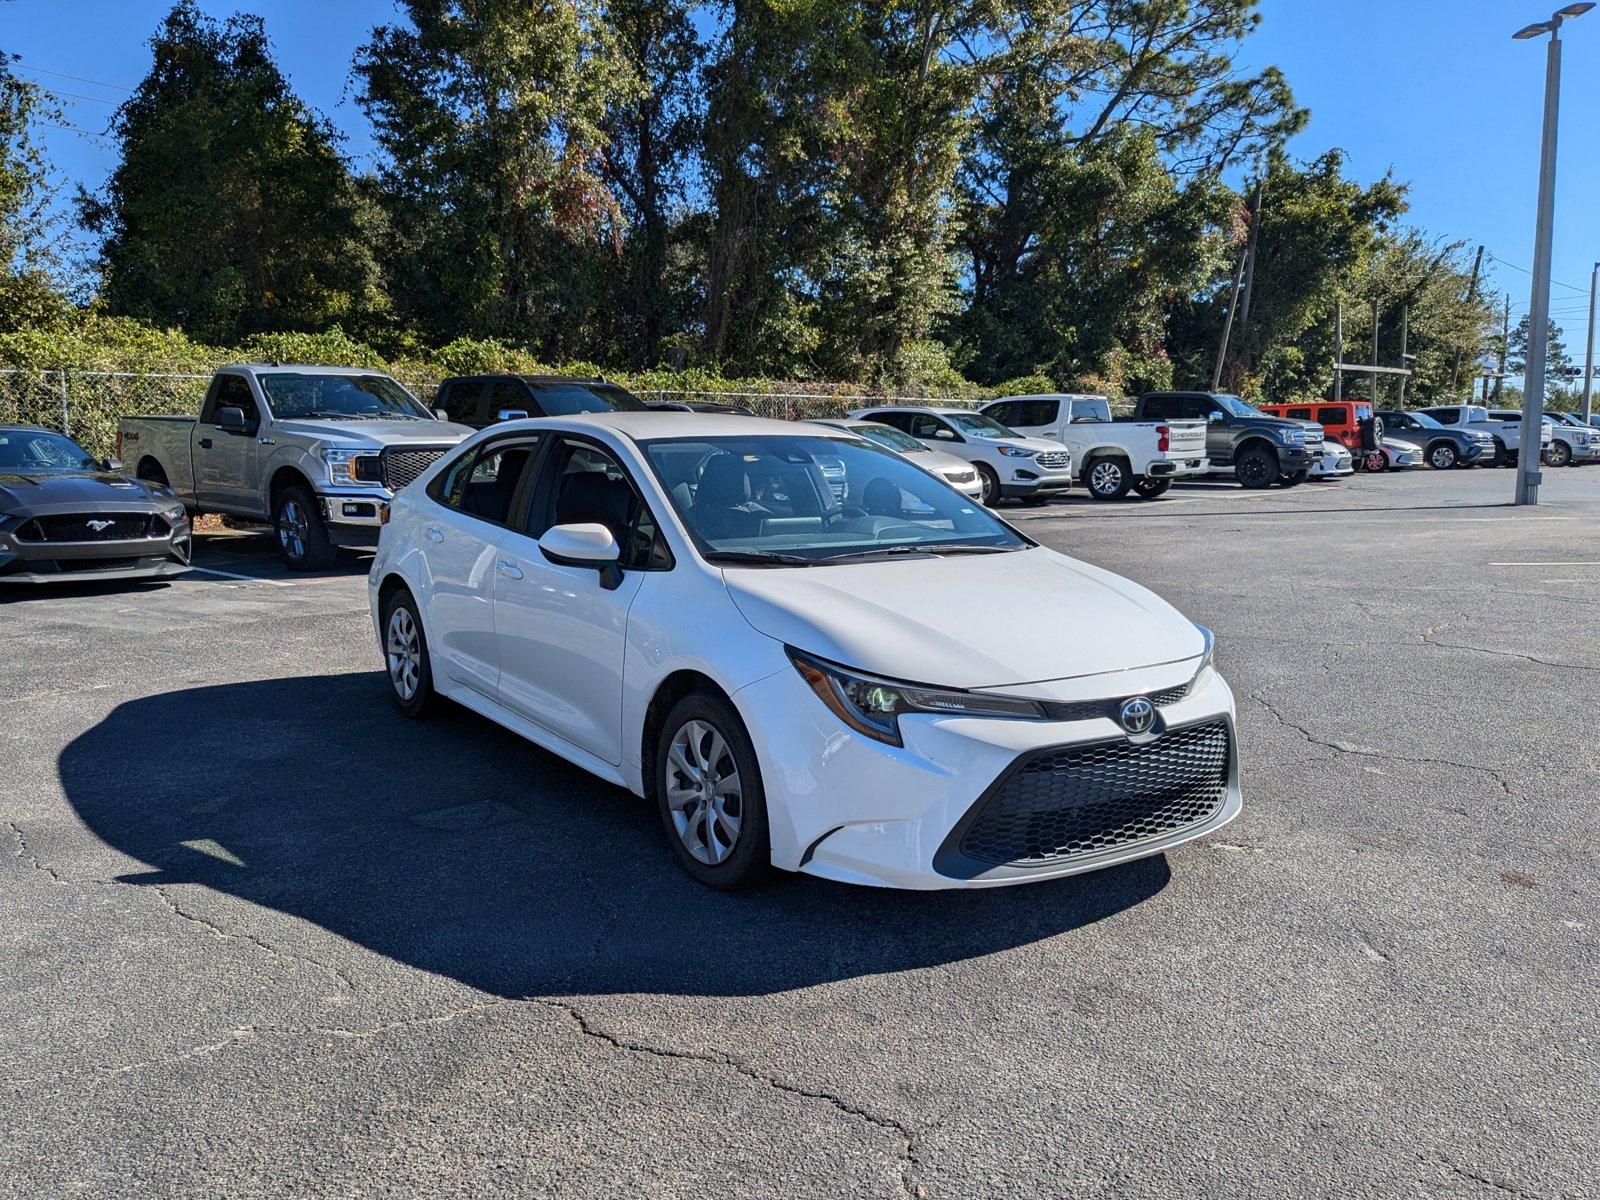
pixel 259 936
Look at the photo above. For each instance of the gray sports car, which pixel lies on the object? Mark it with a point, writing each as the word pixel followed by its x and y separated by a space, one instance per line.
pixel 65 515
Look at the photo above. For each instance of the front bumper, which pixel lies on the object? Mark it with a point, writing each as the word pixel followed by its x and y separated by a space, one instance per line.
pixel 1030 479
pixel 847 808
pixel 353 519
pixel 1332 468
pixel 1475 452
pixel 30 561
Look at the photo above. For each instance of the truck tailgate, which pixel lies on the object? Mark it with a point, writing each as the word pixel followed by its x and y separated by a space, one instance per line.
pixel 1185 440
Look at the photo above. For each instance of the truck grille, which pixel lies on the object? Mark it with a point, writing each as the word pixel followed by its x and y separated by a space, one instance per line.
pixel 400 466
pixel 1075 801
pixel 92 527
pixel 1052 460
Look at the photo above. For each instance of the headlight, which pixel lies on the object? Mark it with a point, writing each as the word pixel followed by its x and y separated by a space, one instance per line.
pixel 352 466
pixel 1209 653
pixel 1294 436
pixel 1016 452
pixel 873 706
pixel 174 515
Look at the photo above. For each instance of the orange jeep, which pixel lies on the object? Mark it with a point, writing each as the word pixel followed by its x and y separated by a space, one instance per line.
pixel 1350 422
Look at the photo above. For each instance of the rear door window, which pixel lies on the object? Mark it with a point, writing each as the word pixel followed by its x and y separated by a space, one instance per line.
pixel 1330 416
pixel 484 482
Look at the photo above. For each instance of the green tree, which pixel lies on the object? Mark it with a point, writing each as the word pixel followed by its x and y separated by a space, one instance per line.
pixel 491 115
pixel 29 258
pixel 230 212
pixel 1557 362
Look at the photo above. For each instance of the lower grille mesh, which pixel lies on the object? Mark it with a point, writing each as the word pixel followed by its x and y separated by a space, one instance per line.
pixel 1081 800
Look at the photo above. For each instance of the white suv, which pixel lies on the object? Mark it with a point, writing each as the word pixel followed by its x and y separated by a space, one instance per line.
pixel 1011 466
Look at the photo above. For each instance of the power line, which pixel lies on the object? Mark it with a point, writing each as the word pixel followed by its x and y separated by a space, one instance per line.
pixel 1525 271
pixel 116 87
pixel 79 96
pixel 73 129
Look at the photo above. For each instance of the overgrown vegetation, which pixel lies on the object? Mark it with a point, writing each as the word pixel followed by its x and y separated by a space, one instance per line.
pixel 945 197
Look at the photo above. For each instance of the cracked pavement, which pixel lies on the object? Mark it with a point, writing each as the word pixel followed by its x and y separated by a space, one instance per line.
pixel 261 937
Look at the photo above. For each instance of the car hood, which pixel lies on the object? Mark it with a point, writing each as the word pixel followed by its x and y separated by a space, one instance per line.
pixel 1032 444
pixel 68 491
pixel 375 434
pixel 968 621
pixel 940 463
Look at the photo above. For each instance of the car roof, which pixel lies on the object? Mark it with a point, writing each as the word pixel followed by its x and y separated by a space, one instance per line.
pixel 31 429
pixel 1051 396
pixel 658 423
pixel 940 409
pixel 322 368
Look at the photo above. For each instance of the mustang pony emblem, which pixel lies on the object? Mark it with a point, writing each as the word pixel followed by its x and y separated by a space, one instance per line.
pixel 99 526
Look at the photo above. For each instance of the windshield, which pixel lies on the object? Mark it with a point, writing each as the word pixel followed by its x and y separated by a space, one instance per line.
pixel 33 451
pixel 1237 407
pixel 566 399
pixel 979 425
pixel 887 435
pixel 1423 420
pixel 295 394
pixel 798 500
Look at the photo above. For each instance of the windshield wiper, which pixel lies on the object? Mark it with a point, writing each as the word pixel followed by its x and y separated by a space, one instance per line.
pixel 969 548
pixel 759 558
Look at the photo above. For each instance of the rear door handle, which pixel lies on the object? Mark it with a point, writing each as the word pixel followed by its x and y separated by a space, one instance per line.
pixel 205 443
pixel 510 570
pixel 432 534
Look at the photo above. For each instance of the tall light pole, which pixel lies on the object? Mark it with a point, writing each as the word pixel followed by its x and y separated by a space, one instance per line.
pixel 1588 357
pixel 1539 316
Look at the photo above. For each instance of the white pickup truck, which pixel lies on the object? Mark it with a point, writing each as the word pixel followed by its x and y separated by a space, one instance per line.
pixel 1507 433
pixel 1110 456
pixel 1566 446
pixel 317 451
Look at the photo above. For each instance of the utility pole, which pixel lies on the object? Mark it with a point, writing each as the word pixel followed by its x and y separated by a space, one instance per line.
pixel 1588 357
pixel 1250 256
pixel 1505 348
pixel 1338 351
pixel 1405 323
pixel 1227 324
pixel 1472 294
pixel 1373 386
pixel 1528 474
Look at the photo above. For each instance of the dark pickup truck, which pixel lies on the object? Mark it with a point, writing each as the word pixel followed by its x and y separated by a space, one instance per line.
pixel 1258 449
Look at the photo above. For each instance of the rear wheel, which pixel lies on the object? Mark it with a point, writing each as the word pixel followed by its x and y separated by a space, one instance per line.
pixel 302 540
pixel 1375 460
pixel 990 483
pixel 1149 488
pixel 1108 478
pixel 708 791
pixel 1442 456
pixel 1257 468
pixel 405 654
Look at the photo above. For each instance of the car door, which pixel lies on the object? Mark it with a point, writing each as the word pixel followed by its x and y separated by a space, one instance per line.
pixel 562 630
pixel 227 471
pixel 471 505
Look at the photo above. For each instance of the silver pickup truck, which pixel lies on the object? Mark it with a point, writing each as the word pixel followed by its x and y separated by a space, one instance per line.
pixel 316 451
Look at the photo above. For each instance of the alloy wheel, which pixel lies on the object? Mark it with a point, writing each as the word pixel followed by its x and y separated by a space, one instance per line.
pixel 292 529
pixel 1442 458
pixel 704 793
pixel 1105 478
pixel 405 652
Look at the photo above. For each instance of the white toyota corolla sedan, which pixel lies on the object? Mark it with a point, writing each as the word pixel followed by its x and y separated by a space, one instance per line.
pixel 808 652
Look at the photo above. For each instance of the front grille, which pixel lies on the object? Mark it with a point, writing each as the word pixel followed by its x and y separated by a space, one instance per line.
pixel 68 566
pixel 962 476
pixel 1075 801
pixel 1085 710
pixel 92 527
pixel 398 467
pixel 1052 460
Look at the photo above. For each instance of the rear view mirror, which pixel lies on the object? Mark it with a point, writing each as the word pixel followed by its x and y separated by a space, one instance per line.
pixel 231 420
pixel 584 545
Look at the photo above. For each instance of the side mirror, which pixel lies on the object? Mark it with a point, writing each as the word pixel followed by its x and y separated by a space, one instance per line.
pixel 584 545
pixel 440 414
pixel 944 435
pixel 231 420
pixel 512 414
pixel 1214 417
pixel 113 464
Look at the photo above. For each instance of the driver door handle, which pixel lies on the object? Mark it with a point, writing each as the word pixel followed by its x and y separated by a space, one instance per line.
pixel 432 533
pixel 510 570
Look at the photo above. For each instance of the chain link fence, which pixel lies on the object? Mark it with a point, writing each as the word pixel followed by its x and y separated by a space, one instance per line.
pixel 88 404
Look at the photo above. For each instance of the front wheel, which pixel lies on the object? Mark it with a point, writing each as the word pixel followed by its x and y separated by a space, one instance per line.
pixel 1442 456
pixel 708 791
pixel 1150 489
pixel 1558 454
pixel 1291 479
pixel 990 483
pixel 1375 461
pixel 1257 468
pixel 1500 454
pixel 302 539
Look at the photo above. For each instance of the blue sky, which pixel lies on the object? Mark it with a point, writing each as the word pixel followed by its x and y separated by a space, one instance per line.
pixel 1435 89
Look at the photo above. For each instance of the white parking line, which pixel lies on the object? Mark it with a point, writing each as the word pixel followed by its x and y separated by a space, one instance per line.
pixel 1545 564
pixel 244 578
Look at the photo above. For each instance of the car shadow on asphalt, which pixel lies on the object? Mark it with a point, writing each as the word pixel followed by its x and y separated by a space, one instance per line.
pixel 458 848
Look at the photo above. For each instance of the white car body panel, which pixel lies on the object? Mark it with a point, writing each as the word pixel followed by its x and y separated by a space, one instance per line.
pixel 576 670
pixel 1335 462
pixel 1018 476
pixel 1137 441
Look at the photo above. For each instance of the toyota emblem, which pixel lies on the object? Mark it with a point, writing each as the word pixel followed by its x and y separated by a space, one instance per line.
pixel 1137 715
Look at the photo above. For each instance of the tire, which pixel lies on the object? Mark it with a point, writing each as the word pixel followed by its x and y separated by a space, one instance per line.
pixel 991 485
pixel 1291 479
pixel 1558 454
pixel 405 657
pixel 1442 456
pixel 1151 489
pixel 1500 455
pixel 1108 478
pixel 1376 461
pixel 1036 501
pixel 302 540
pixel 1513 458
pixel 1256 468
pixel 703 739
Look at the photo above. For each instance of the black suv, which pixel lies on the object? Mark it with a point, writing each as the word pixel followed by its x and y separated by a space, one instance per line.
pixel 481 400
pixel 1262 450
